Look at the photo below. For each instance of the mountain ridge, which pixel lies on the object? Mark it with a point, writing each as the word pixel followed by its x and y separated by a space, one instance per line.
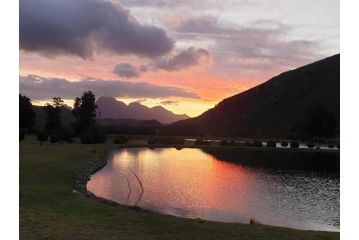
pixel 274 108
pixel 110 108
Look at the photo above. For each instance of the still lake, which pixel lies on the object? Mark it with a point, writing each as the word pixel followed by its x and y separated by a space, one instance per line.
pixel 226 185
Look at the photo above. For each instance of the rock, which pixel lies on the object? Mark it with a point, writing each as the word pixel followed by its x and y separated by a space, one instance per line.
pixel 254 221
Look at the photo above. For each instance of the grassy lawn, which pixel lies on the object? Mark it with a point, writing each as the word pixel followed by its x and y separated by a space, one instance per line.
pixel 50 210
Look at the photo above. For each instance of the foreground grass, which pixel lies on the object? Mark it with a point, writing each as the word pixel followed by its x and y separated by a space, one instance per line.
pixel 49 209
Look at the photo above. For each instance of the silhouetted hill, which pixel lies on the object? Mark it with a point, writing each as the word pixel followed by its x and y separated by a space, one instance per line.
pixel 304 98
pixel 110 108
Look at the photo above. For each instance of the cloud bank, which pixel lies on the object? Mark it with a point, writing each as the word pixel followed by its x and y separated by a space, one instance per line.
pixel 41 88
pixel 258 46
pixel 126 70
pixel 83 27
pixel 185 59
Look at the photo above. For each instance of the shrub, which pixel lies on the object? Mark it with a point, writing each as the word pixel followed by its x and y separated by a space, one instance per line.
pixel 271 144
pixel 151 141
pixel 202 142
pixel 93 135
pixel 119 140
pixel 310 145
pixel 166 141
pixel 54 139
pixel 284 144
pixel 248 144
pixel 65 135
pixel 42 137
pixel 228 143
pixel 294 145
pixel 330 145
pixel 257 144
pixel 22 134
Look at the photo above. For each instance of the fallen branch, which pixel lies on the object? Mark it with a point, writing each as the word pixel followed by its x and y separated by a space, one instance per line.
pixel 138 179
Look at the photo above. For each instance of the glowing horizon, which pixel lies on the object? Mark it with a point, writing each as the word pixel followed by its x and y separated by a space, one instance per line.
pixel 185 61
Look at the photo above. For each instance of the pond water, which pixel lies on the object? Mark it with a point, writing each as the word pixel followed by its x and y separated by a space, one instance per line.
pixel 213 185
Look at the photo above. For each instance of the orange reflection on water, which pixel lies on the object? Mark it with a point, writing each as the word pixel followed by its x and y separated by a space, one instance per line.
pixel 172 179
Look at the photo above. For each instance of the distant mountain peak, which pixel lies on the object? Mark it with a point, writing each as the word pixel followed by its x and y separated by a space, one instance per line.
pixel 114 109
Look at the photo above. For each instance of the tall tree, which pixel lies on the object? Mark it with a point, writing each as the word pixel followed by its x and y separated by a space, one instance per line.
pixel 26 113
pixel 53 114
pixel 84 111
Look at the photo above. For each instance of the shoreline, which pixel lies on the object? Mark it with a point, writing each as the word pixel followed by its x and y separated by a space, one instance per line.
pixel 80 186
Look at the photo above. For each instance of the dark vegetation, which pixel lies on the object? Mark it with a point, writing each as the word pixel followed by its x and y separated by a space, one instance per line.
pixel 284 144
pixel 201 142
pixel 42 137
pixel 120 140
pixel 84 123
pixel 310 145
pixel 228 143
pixel 294 145
pixel 54 139
pixel 166 141
pixel 271 144
pixel 21 134
pixel 302 103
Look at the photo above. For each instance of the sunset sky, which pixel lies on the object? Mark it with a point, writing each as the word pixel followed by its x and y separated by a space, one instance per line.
pixel 185 55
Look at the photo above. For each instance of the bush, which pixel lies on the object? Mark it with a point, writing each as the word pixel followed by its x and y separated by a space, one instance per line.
pixel 330 145
pixel 257 144
pixel 22 134
pixel 310 145
pixel 119 140
pixel 93 135
pixel 65 135
pixel 294 145
pixel 271 144
pixel 202 142
pixel 151 141
pixel 228 143
pixel 166 141
pixel 54 139
pixel 248 144
pixel 42 137
pixel 284 144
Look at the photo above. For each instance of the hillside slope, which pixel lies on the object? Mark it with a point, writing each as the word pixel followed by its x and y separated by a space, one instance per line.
pixel 276 108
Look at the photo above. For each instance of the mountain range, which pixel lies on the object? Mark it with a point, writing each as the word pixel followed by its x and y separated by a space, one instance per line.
pixel 306 97
pixel 110 108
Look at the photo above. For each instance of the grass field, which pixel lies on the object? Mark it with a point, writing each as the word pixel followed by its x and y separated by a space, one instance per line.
pixel 50 210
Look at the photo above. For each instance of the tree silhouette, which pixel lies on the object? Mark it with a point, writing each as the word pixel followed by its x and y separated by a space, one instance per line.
pixel 84 112
pixel 21 134
pixel 53 117
pixel 26 113
pixel 42 137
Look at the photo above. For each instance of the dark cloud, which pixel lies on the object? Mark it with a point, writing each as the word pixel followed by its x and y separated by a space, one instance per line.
pixel 41 88
pixel 126 70
pixel 169 102
pixel 83 27
pixel 184 59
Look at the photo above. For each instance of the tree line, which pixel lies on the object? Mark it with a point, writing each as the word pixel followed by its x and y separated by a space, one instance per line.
pixel 84 127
